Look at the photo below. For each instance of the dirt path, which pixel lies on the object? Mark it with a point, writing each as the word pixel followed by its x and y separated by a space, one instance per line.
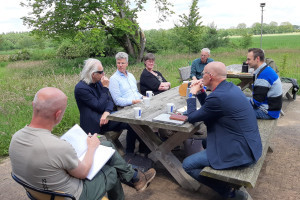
pixel 279 178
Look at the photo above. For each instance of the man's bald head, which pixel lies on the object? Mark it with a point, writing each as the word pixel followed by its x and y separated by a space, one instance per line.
pixel 48 101
pixel 217 69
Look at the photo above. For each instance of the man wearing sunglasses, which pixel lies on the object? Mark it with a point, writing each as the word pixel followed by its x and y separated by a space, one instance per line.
pixel 95 103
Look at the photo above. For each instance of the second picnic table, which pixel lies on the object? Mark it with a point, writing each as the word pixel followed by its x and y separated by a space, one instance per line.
pixel 234 71
pixel 145 128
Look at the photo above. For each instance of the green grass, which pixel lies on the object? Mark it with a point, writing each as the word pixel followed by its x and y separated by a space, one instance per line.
pixel 19 81
pixel 275 41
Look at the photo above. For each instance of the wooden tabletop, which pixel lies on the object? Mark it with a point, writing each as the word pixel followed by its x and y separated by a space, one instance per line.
pixel 240 75
pixel 157 106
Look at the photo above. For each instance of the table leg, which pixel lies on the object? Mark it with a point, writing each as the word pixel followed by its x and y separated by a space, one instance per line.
pixel 162 152
pixel 245 83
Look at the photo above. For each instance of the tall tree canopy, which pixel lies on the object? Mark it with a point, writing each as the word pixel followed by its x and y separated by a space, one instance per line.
pixel 113 18
pixel 190 29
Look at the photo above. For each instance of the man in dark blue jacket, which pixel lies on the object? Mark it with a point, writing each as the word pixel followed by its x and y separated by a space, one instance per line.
pixel 95 104
pixel 233 137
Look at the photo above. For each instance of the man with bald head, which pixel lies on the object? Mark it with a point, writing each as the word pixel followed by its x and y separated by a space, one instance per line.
pixel 43 160
pixel 233 137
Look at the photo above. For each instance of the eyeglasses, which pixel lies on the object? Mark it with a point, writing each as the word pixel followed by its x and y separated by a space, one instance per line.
pixel 99 72
pixel 202 73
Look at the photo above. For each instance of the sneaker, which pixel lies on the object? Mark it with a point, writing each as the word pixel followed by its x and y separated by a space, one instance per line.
pixel 144 179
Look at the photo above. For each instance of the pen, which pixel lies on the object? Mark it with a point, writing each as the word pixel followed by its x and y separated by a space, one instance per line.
pixel 99 136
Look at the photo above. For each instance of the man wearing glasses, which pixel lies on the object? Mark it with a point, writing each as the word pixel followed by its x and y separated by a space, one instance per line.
pixel 233 137
pixel 199 64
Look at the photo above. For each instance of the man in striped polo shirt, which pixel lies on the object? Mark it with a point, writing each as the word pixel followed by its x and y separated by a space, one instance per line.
pixel 267 90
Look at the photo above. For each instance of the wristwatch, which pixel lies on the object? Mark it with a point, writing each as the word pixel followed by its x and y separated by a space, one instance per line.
pixel 191 95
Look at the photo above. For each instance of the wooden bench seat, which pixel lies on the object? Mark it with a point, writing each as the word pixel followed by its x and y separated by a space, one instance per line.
pixel 286 87
pixel 246 176
pixel 185 73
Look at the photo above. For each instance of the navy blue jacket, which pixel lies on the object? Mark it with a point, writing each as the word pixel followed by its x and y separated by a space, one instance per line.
pixel 233 137
pixel 92 101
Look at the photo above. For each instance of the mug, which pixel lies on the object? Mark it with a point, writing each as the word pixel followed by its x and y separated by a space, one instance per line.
pixel 137 112
pixel 146 101
pixel 149 94
pixel 170 108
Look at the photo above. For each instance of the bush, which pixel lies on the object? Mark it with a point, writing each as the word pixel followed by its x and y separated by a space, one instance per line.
pixel 69 50
pixel 246 40
pixel 20 55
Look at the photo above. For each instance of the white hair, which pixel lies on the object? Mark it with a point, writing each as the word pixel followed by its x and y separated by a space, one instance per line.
pixel 206 50
pixel 122 55
pixel 90 66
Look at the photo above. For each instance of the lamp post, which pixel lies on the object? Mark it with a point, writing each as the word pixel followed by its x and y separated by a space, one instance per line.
pixel 262 5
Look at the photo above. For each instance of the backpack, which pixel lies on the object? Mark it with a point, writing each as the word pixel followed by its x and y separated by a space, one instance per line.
pixel 270 62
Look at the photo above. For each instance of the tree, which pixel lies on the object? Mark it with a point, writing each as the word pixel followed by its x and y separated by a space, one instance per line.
pixel 111 18
pixel 190 29
pixel 273 27
pixel 286 27
pixel 241 26
pixel 213 39
pixel 256 28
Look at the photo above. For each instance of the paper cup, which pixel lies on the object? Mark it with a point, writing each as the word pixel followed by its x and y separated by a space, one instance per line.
pixel 149 94
pixel 170 108
pixel 137 112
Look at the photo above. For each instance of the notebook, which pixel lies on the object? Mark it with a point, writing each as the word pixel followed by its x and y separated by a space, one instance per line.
pixel 165 118
pixel 77 138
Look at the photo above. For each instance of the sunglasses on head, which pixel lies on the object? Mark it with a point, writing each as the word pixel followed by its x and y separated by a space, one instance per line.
pixel 99 72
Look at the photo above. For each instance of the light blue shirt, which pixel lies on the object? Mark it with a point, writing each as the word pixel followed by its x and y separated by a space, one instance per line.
pixel 123 89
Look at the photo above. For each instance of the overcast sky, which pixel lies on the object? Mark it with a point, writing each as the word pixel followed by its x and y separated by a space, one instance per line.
pixel 224 13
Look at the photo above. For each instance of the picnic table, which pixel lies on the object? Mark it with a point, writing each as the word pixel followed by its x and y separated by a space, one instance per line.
pixel 234 71
pixel 161 150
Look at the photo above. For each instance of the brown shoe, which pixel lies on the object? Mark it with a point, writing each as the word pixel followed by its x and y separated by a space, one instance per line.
pixel 144 179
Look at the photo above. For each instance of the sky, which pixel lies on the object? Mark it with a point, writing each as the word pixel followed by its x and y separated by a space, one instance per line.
pixel 223 13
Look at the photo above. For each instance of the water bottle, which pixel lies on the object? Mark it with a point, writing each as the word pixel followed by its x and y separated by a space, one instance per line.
pixel 244 68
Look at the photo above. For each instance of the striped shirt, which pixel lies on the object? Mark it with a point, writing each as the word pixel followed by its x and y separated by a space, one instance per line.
pixel 267 91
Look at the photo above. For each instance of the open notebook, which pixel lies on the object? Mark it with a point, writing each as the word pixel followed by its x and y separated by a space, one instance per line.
pixel 165 118
pixel 77 138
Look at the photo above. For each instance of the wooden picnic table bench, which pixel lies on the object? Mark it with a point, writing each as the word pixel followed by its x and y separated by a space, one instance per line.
pixel 286 87
pixel 246 176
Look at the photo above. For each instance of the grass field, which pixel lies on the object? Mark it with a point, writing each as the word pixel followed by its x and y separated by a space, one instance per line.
pixel 19 81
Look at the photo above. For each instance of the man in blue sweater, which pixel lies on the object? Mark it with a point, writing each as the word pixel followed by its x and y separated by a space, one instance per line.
pixel 267 89
pixel 233 137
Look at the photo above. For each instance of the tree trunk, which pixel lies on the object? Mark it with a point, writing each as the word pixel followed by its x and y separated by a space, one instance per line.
pixel 142 46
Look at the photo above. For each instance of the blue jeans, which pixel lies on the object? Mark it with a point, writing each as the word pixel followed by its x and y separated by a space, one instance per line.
pixel 261 114
pixel 194 164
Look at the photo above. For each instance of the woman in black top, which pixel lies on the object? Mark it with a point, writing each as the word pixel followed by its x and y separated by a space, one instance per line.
pixel 152 80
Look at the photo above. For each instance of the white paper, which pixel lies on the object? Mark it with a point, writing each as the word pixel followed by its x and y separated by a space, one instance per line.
pixel 165 118
pixel 77 138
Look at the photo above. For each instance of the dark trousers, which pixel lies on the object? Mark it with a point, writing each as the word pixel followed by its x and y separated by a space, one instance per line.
pixel 130 138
